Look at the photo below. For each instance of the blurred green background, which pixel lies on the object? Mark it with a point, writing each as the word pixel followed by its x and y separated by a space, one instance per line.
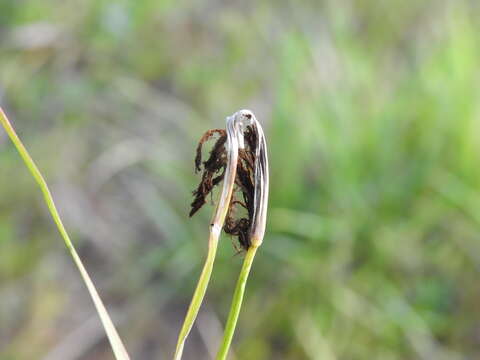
pixel 372 115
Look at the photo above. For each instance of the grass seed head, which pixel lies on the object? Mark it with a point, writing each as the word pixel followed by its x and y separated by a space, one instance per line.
pixel 240 152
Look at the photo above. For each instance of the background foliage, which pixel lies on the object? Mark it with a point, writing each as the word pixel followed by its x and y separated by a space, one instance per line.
pixel 372 112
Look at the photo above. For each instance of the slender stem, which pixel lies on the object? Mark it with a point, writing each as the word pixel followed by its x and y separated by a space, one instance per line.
pixel 199 294
pixel 115 341
pixel 216 226
pixel 236 303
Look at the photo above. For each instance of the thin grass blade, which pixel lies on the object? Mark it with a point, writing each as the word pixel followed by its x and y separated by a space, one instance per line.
pixel 112 334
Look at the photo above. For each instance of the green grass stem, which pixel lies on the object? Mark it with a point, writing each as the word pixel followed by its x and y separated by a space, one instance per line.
pixel 236 303
pixel 198 294
pixel 115 341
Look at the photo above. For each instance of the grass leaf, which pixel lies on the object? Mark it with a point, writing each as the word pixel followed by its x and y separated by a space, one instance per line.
pixel 115 341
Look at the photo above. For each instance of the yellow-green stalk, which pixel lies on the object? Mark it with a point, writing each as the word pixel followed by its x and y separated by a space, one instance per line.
pixel 115 341
pixel 235 126
pixel 257 232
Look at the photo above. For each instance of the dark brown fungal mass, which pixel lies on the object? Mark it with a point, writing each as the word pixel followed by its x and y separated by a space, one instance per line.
pixel 240 211
pixel 213 168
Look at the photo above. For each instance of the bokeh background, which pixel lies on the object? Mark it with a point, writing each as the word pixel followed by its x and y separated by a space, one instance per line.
pixel 372 114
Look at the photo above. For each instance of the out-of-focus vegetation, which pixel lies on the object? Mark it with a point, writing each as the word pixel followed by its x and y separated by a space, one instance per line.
pixel 372 113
